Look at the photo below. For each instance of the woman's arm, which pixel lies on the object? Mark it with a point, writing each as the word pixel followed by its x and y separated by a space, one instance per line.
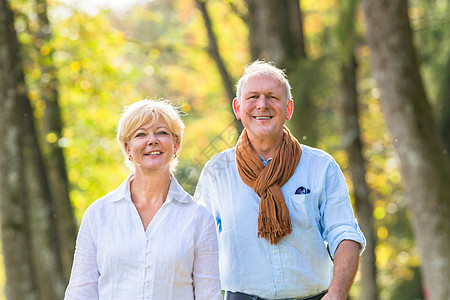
pixel 83 282
pixel 206 263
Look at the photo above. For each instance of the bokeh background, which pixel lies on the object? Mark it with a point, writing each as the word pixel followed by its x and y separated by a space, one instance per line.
pixel 83 61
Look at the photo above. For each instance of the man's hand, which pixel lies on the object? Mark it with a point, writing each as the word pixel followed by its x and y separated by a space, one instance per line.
pixel 346 261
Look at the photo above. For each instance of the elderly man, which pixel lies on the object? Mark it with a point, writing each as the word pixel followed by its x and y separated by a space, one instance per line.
pixel 284 220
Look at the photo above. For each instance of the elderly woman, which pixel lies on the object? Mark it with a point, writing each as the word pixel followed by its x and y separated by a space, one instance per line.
pixel 147 239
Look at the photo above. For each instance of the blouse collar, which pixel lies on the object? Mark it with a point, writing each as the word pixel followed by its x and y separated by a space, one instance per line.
pixel 176 191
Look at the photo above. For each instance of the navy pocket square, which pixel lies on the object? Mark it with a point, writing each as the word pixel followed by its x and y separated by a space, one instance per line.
pixel 302 191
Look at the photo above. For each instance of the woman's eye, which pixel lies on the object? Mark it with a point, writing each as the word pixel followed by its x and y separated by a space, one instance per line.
pixel 140 134
pixel 162 133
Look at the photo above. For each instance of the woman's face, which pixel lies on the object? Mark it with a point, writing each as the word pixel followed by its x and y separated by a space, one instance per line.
pixel 152 147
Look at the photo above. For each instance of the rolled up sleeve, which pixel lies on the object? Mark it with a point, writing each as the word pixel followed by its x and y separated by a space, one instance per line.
pixel 337 216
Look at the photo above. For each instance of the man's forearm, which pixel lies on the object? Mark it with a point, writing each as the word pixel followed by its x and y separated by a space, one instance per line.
pixel 346 261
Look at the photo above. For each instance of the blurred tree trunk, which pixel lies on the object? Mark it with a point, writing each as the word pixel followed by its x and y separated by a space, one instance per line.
pixel 432 40
pixel 353 145
pixel 13 201
pixel 357 166
pixel 213 50
pixel 425 168
pixel 276 31
pixel 29 239
pixel 276 35
pixel 53 154
pixel 443 106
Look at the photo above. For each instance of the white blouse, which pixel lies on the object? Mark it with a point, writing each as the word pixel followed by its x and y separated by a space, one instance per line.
pixel 175 258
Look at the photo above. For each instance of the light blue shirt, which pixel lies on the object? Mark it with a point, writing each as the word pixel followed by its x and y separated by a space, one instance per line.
pixel 299 265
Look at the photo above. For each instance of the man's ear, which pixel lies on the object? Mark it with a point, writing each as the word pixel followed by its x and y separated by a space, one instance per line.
pixel 290 109
pixel 236 108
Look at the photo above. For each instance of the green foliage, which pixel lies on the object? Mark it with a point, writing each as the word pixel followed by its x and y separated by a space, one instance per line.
pixel 112 59
pixel 158 49
pixel 431 24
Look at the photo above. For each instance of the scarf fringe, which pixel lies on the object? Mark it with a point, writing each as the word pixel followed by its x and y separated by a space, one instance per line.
pixel 272 230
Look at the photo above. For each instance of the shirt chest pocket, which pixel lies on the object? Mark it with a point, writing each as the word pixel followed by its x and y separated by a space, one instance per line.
pixel 301 210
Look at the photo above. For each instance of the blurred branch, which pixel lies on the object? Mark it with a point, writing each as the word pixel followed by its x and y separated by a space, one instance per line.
pixel 235 9
pixel 213 50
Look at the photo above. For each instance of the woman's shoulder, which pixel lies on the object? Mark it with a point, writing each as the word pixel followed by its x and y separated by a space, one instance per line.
pixel 98 207
pixel 201 215
pixel 101 205
pixel 197 211
pixel 200 209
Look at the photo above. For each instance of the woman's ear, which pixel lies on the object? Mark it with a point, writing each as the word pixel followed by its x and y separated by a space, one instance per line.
pixel 127 149
pixel 176 145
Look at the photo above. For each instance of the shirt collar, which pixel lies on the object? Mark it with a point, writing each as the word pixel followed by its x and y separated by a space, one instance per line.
pixel 176 192
pixel 265 162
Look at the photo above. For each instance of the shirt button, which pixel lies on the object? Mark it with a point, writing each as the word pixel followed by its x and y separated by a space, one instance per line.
pixel 274 251
pixel 278 280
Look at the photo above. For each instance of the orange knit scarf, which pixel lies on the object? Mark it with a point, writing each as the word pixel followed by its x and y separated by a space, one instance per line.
pixel 274 221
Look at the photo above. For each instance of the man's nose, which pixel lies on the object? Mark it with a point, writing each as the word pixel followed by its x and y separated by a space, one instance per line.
pixel 262 102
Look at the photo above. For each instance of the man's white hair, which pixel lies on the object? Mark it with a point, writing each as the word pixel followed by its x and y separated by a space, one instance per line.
pixel 262 68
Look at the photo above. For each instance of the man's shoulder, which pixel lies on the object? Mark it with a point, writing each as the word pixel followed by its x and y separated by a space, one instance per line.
pixel 222 158
pixel 317 154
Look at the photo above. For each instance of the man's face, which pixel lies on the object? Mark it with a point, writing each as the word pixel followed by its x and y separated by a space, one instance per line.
pixel 263 108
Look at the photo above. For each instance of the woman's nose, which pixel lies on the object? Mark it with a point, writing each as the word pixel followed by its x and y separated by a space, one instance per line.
pixel 152 139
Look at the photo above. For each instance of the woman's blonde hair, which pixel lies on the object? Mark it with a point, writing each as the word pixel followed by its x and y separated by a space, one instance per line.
pixel 149 110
